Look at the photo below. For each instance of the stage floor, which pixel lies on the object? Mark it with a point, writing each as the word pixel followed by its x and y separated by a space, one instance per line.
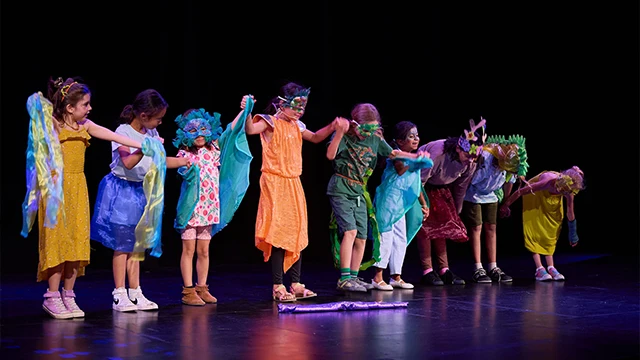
pixel 595 314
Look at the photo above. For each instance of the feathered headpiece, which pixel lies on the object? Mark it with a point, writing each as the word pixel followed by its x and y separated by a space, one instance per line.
pixel 510 152
pixel 297 101
pixel 197 123
pixel 472 141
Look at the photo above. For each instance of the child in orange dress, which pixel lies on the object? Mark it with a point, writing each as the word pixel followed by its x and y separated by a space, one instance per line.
pixel 281 224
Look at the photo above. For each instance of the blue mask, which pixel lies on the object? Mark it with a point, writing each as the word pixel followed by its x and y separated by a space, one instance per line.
pixel 197 123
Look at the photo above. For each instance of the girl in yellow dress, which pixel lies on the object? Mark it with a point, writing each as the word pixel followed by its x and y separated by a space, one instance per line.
pixel 543 213
pixel 281 224
pixel 63 209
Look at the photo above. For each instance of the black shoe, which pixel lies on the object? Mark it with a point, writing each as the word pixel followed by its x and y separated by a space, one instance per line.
pixel 431 279
pixel 497 275
pixel 480 277
pixel 450 278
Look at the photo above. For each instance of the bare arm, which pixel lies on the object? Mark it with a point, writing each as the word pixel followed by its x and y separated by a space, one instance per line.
pixel 537 186
pixel 243 104
pixel 176 162
pixel 400 168
pixel 103 133
pixel 129 159
pixel 253 128
pixel 570 214
pixel 320 135
pixel 507 188
pixel 332 149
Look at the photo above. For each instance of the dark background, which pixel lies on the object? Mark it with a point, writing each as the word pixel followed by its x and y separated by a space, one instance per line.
pixel 564 75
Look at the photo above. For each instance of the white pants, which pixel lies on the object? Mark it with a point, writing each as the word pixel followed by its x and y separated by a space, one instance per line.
pixel 393 247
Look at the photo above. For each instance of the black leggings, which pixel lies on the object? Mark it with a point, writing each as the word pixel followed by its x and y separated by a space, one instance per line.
pixel 277 267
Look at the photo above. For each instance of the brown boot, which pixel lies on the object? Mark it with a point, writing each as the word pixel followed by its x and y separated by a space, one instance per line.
pixel 189 297
pixel 203 292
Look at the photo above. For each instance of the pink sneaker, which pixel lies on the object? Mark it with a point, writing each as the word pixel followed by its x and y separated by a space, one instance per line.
pixel 542 275
pixel 54 306
pixel 69 300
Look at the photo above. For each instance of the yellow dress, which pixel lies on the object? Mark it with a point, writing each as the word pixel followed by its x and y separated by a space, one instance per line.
pixel 542 215
pixel 282 208
pixel 69 239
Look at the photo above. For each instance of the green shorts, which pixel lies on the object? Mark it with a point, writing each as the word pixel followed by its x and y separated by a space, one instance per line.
pixel 351 214
pixel 474 214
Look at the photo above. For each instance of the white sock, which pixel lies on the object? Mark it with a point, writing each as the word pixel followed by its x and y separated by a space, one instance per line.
pixel 492 265
pixel 478 266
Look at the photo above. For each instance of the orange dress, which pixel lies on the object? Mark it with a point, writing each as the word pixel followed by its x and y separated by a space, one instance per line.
pixel 282 209
pixel 69 239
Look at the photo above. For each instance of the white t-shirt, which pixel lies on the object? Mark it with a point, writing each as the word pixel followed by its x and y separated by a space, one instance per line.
pixel 138 172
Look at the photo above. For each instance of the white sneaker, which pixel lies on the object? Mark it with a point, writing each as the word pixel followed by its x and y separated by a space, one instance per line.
pixel 121 301
pixel 400 284
pixel 381 285
pixel 141 302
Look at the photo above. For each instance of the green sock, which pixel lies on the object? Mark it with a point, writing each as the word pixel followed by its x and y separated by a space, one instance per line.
pixel 345 274
pixel 354 274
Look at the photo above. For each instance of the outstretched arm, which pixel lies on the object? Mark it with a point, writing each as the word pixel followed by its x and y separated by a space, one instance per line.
pixel 103 133
pixel 176 162
pixel 529 188
pixel 341 126
pixel 320 135
pixel 243 104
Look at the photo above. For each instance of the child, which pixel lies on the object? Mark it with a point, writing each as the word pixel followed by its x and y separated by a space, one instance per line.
pixel 400 206
pixel 206 189
pixel 353 152
pixel 122 203
pixel 59 133
pixel 542 215
pixel 454 162
pixel 503 160
pixel 281 224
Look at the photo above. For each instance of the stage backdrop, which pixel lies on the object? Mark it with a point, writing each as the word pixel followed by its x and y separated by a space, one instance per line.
pixel 565 76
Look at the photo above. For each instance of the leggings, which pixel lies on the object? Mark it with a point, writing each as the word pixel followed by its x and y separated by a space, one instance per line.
pixel 277 267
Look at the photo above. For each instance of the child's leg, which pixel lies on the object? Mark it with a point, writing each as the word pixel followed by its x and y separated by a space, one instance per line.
pixel 361 217
pixel 344 211
pixel 188 236
pixel 277 271
pixel 386 241
pixel 55 275
pixel 186 261
pixel 70 274
pixel 549 260
pixel 398 248
pixel 346 252
pixel 202 262
pixel 119 264
pixel 357 255
pixel 491 243
pixel 133 271
pixel 424 249
pixel 537 260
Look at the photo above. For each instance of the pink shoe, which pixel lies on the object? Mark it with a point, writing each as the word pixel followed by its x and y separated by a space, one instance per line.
pixel 54 306
pixel 69 300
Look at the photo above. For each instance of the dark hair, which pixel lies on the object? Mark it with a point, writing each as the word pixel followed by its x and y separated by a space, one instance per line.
pixel 65 92
pixel 148 101
pixel 193 149
pixel 289 89
pixel 401 131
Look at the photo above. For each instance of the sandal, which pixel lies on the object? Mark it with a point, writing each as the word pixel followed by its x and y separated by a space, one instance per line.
pixel 280 294
pixel 302 292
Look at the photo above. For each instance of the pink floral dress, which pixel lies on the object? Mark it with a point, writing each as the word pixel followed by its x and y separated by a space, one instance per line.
pixel 207 211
